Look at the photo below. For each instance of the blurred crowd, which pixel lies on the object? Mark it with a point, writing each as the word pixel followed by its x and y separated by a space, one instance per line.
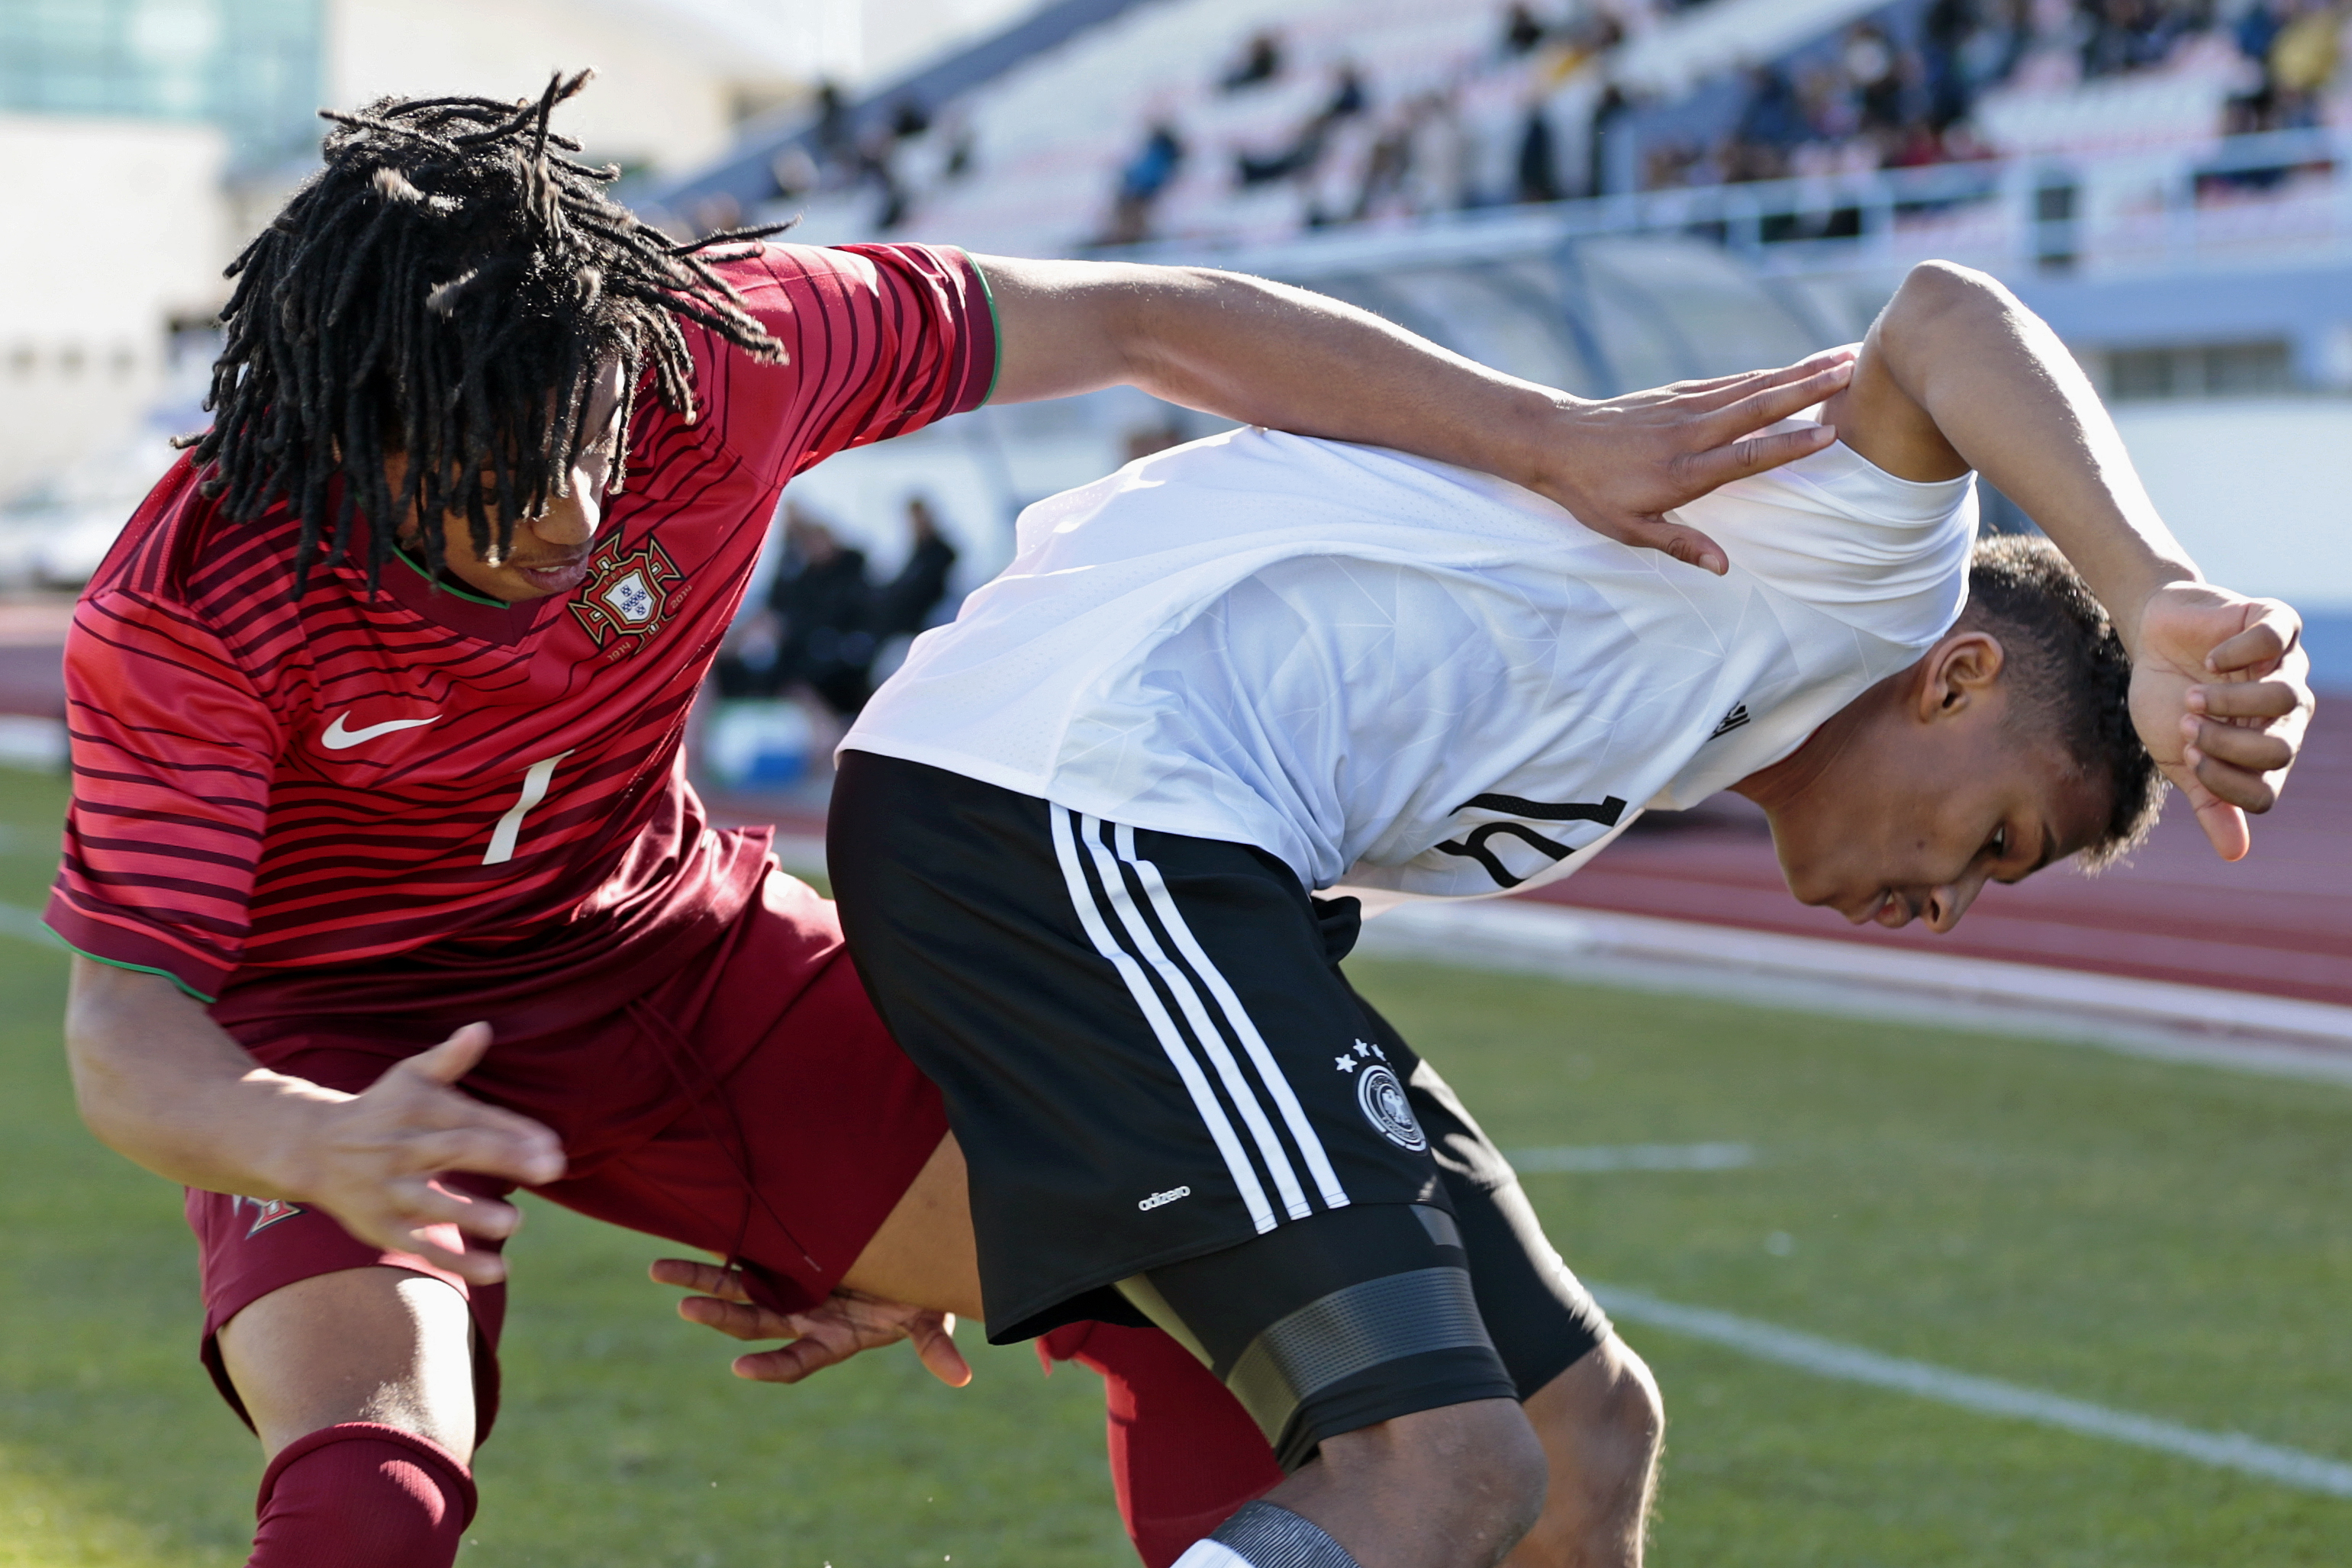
pixel 825 621
pixel 1892 96
pixel 2301 47
pixel 1366 154
pixel 894 158
pixel 1535 112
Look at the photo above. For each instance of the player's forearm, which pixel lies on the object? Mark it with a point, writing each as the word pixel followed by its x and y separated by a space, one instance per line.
pixel 162 1084
pixel 1263 353
pixel 2012 402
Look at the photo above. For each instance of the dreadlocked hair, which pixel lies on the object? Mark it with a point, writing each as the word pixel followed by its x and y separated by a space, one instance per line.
pixel 446 289
pixel 2072 679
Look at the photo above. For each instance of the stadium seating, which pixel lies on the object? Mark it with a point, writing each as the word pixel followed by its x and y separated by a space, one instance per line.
pixel 1447 108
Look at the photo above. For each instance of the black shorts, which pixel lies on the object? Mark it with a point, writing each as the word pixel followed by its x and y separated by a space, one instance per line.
pixel 1150 1055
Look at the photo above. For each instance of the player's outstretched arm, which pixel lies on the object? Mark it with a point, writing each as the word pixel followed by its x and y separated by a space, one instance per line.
pixel 161 1083
pixel 1265 354
pixel 1957 374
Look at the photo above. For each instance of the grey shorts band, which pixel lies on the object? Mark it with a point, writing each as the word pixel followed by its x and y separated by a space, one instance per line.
pixel 1331 1324
pixel 1351 1331
pixel 1266 1535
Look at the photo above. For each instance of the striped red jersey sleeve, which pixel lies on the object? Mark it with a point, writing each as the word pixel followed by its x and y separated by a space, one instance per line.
pixel 879 340
pixel 174 753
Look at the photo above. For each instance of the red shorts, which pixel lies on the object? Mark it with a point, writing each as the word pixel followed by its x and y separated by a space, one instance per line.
pixel 763 1113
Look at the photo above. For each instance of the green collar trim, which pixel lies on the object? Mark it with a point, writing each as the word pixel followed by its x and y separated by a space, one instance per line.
pixel 441 586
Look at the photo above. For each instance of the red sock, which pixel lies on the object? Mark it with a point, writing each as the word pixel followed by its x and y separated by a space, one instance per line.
pixel 1183 1453
pixel 361 1496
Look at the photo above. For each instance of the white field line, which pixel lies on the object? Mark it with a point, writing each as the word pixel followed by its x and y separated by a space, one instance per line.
pixel 1987 1396
pixel 1582 1157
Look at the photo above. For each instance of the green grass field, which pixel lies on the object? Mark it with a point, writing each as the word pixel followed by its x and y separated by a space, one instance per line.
pixel 2166 1240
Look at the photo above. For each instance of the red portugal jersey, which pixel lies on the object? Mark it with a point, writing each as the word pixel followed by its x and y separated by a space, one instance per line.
pixel 400 802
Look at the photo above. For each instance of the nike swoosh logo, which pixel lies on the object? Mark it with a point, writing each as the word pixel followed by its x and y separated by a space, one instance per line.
pixel 338 738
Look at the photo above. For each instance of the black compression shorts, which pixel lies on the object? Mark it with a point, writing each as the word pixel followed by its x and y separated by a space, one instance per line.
pixel 1150 1058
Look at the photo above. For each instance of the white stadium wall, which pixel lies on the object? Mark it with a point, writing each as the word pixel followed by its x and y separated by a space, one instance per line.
pixel 116 228
pixel 2260 491
pixel 661 100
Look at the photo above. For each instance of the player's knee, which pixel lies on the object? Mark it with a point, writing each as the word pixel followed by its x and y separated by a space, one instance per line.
pixel 1603 1425
pixel 1932 289
pixel 1628 1408
pixel 1477 1471
pixel 361 1495
pixel 1499 1468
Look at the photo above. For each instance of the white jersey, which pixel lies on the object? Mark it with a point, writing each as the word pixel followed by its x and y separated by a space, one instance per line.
pixel 1408 679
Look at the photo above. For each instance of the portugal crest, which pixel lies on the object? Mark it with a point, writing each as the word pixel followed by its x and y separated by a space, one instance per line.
pixel 628 596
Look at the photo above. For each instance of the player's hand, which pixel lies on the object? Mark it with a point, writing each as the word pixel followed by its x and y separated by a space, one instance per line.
pixel 371 1159
pixel 849 1322
pixel 1620 463
pixel 2221 693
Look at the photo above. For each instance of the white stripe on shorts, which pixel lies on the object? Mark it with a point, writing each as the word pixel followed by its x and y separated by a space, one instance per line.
pixel 1293 1115
pixel 1270 1151
pixel 1180 1056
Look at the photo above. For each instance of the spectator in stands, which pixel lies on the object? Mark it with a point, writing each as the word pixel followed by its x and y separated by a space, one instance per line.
pixel 2303 60
pixel 1438 176
pixel 1874 77
pixel 904 605
pixel 878 167
pixel 1521 31
pixel 1388 166
pixel 1772 122
pixel 834 138
pixel 1993 42
pixel 1417 163
pixel 1300 160
pixel 2133 34
pixel 1609 116
pixel 1943 32
pixel 1261 61
pixel 824 619
pixel 963 148
pixel 2258 27
pixel 1348 97
pixel 822 603
pixel 1148 174
pixel 1539 160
